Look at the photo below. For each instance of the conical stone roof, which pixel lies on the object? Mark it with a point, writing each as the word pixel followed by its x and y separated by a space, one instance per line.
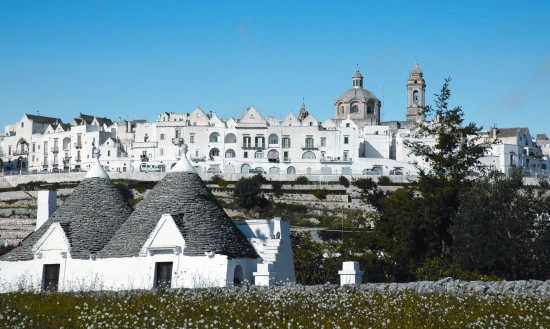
pixel 89 217
pixel 201 220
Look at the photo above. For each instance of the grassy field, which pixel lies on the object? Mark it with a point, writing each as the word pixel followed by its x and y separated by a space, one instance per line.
pixel 326 306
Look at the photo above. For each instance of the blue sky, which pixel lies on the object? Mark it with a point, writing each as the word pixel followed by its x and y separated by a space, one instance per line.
pixel 137 59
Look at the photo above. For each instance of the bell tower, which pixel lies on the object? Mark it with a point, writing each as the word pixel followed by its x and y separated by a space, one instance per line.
pixel 416 87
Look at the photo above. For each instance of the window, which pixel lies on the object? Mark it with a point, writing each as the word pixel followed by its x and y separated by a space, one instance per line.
pixel 286 142
pixel 162 137
pixel 347 125
pixel 245 155
pixel 163 275
pixel 259 154
pixel 370 108
pixel 178 133
pixel 213 137
pixel 230 138
pixel 273 139
pixel 108 153
pixel 354 109
pixel 161 151
pixel 214 153
pixel 309 142
pixel 346 139
pixel 308 155
pixel 50 277
pixel 229 153
pixel 259 141
pixel 192 138
pixel 273 156
pixel 323 141
pixel 415 96
pixel 247 141
pixel 285 156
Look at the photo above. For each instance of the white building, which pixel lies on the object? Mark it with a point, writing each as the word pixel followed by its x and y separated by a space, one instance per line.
pixel 178 236
pixel 354 142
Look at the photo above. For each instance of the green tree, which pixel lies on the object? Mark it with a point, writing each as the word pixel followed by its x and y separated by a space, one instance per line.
pixel 451 150
pixel 310 264
pixel 248 192
pixel 413 228
pixel 402 235
pixel 501 228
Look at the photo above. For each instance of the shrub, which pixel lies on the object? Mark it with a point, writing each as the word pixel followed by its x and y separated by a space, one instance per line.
pixel 302 180
pixel 217 179
pixel 344 181
pixel 384 181
pixel 320 194
pixel 277 187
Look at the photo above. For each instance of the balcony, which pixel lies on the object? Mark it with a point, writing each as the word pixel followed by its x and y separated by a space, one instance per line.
pixel 309 147
pixel 198 158
pixel 336 160
pixel 145 144
pixel 20 152
pixel 177 141
pixel 253 147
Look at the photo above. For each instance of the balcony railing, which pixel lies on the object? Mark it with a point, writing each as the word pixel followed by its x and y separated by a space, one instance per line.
pixel 253 147
pixel 329 159
pixel 309 147
pixel 198 159
pixel 177 141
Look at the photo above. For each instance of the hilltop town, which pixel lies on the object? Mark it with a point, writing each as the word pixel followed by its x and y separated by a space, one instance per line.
pixel 354 142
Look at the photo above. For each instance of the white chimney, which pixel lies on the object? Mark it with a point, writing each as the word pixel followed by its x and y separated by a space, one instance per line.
pixel 46 206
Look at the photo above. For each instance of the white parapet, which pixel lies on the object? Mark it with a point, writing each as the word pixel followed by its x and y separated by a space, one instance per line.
pixel 264 275
pixel 350 273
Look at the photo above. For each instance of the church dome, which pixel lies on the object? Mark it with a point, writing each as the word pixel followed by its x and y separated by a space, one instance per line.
pixel 356 94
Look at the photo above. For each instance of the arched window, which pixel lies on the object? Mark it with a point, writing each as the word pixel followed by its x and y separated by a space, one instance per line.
pixel 214 137
pixel 230 138
pixel 415 96
pixel 354 109
pixel 273 139
pixel 245 168
pixel 259 154
pixel 229 153
pixel 273 156
pixel 291 170
pixel 308 155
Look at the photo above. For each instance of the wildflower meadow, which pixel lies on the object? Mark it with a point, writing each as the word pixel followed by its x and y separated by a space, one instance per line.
pixel 289 306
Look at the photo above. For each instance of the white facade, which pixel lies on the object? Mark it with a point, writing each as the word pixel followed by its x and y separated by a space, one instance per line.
pixel 280 148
